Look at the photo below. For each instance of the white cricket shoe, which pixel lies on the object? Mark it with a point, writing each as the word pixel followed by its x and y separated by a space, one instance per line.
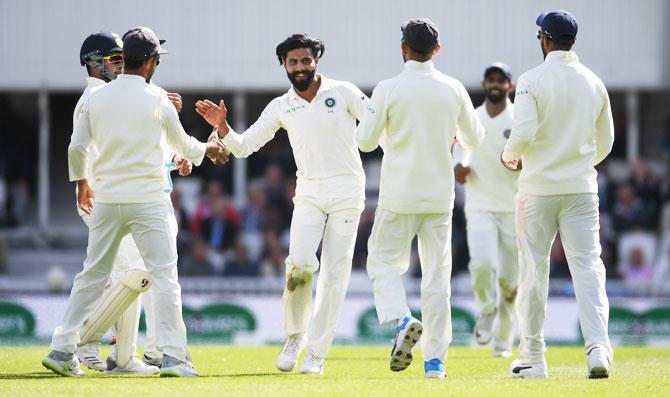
pixel 484 328
pixel 288 357
pixel 408 334
pixel 312 365
pixel 597 359
pixel 519 369
pixel 154 361
pixel 175 368
pixel 64 364
pixel 89 355
pixel 134 367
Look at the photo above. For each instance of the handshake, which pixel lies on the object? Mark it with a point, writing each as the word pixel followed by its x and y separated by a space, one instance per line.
pixel 215 115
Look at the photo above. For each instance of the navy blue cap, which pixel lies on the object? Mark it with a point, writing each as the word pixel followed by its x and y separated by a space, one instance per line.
pixel 502 67
pixel 141 43
pixel 99 44
pixel 558 25
pixel 420 34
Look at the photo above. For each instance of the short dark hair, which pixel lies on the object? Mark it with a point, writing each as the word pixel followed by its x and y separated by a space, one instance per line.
pixel 563 43
pixel 133 63
pixel 299 41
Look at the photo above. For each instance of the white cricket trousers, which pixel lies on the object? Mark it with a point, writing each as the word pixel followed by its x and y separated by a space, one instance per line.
pixel 538 218
pixel 335 221
pixel 388 258
pixel 128 258
pixel 152 228
pixel 494 261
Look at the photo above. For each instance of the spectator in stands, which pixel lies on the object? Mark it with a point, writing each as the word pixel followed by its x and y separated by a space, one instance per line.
pixel 637 271
pixel 241 265
pixel 364 231
pixel 647 187
pixel 628 211
pixel 179 212
pixel 253 218
pixel 214 190
pixel 197 262
pixel 221 229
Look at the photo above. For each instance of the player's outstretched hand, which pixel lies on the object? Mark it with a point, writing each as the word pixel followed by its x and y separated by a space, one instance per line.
pixel 84 196
pixel 176 100
pixel 217 153
pixel 214 114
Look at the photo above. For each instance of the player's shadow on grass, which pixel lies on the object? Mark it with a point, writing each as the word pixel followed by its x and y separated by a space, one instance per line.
pixel 30 375
pixel 252 375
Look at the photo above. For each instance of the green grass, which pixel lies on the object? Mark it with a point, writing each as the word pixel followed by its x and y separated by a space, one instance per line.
pixel 360 371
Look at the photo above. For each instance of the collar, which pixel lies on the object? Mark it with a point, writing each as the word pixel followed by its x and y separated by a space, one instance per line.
pixel 94 82
pixel 562 56
pixel 131 77
pixel 326 84
pixel 427 66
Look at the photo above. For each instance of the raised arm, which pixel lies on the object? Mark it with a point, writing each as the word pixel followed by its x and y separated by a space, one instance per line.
pixel 254 138
pixel 470 132
pixel 183 144
pixel 374 121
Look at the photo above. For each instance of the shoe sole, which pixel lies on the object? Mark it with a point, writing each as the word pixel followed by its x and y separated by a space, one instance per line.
pixel 599 373
pixel 434 375
pixel 529 376
pixel 401 357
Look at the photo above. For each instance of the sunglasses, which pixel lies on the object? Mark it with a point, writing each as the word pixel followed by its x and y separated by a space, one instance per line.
pixel 540 33
pixel 158 59
pixel 113 58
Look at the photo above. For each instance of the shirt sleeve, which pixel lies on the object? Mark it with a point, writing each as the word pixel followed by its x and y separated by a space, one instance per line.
pixel 470 133
pixel 358 103
pixel 374 121
pixel 524 129
pixel 77 151
pixel 183 144
pixel 256 136
pixel 461 155
pixel 604 131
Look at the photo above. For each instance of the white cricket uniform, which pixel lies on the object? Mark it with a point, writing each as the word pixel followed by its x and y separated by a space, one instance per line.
pixel 329 198
pixel 126 120
pixel 417 115
pixel 128 256
pixel 490 189
pixel 562 129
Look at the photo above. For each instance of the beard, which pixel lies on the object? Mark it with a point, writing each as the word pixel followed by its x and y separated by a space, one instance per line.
pixel 301 85
pixel 544 51
pixel 495 95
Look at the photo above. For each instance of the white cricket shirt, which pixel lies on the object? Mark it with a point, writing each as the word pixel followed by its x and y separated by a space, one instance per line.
pixel 562 127
pixel 126 120
pixel 490 186
pixel 322 134
pixel 417 115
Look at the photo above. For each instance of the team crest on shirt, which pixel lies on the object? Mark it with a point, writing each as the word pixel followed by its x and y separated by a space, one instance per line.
pixel 330 102
pixel 506 133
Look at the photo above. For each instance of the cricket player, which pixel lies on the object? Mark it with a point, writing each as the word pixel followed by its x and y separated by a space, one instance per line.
pixel 490 189
pixel 102 54
pixel 417 114
pixel 562 129
pixel 319 115
pixel 126 120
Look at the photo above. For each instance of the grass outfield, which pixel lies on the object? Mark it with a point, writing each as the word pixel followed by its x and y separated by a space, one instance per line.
pixel 361 371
